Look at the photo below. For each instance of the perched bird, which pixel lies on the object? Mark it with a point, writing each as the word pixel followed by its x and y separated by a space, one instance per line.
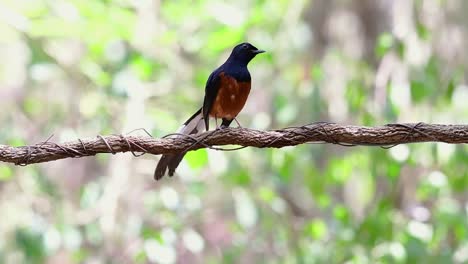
pixel 226 92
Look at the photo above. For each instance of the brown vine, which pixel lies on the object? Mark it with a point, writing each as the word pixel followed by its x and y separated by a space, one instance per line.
pixel 345 135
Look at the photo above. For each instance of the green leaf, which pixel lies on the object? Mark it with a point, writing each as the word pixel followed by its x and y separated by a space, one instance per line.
pixel 240 177
pixel 142 67
pixel 423 31
pixel 393 169
pixel 401 49
pixel 33 106
pixel 266 194
pixel 384 44
pixel 6 173
pixel 197 159
pixel 30 243
pixel 323 200
pixel 450 89
pixel 355 95
pixel 79 256
pixel 340 169
pixel 286 168
pixel 150 233
pixel 418 91
pixel 341 213
pixel 140 257
pixel 223 39
pixel 16 141
pixel 317 72
pixel 316 229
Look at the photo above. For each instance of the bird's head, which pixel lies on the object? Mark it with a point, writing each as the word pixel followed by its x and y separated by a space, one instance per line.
pixel 245 52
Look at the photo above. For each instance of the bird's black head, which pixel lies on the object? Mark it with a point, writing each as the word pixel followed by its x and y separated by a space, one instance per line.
pixel 244 53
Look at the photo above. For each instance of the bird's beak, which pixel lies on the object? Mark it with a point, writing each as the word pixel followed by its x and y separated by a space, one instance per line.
pixel 258 51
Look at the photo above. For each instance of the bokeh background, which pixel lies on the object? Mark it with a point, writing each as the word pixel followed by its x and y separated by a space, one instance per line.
pixel 79 68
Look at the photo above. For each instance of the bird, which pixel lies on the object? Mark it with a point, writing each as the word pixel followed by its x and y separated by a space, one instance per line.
pixel 226 92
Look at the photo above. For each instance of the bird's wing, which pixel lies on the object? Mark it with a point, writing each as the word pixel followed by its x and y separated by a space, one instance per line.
pixel 211 91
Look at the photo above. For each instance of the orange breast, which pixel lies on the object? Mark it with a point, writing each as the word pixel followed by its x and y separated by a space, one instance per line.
pixel 231 98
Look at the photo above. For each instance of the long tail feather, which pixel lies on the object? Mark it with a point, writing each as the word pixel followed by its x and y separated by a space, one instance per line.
pixel 170 162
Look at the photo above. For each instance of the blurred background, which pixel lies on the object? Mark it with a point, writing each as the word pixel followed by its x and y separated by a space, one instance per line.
pixel 78 68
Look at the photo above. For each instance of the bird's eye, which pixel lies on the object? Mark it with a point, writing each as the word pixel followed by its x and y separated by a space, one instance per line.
pixel 245 46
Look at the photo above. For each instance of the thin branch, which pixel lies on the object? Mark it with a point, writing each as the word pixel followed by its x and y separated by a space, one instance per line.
pixel 384 136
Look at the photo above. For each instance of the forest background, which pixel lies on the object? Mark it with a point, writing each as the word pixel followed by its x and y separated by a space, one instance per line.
pixel 79 68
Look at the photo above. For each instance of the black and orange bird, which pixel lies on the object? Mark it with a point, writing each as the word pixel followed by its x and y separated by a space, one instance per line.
pixel 226 92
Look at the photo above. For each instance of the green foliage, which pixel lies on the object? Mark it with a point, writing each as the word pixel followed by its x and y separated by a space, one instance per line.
pixel 384 43
pixel 83 67
pixel 30 243
pixel 197 159
pixel 5 173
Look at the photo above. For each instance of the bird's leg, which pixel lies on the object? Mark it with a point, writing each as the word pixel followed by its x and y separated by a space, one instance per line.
pixel 216 122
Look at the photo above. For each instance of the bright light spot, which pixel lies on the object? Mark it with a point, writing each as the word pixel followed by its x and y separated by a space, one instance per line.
pixel 159 253
pixel 261 120
pixel 402 18
pixel 400 153
pixel 227 14
pixel 67 11
pixel 445 152
pixel 418 51
pixel 218 162
pixel 301 36
pixel 52 240
pixel 168 235
pixel 461 254
pixel 90 103
pixel 459 99
pixel 400 93
pixel 437 179
pixel 67 135
pixel 133 226
pixel 420 230
pixel 115 51
pixel 14 19
pixel 338 108
pixel 397 251
pixel 449 206
pixel 245 208
pixel 125 81
pixel 169 197
pixel 287 114
pixel 278 205
pixel 421 213
pixel 42 72
pixel 72 238
pixel 193 241
pixel 394 249
pixel 193 202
